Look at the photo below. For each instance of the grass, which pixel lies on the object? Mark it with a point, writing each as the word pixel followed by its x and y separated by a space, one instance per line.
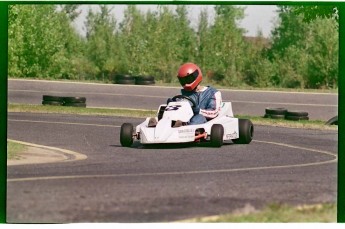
pixel 13 149
pixel 138 113
pixel 320 213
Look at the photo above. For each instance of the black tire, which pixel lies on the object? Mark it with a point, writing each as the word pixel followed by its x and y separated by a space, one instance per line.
pixel 74 104
pixel 296 118
pixel 74 99
pixel 246 132
pixel 274 116
pixel 296 113
pixel 145 78
pixel 52 103
pixel 52 98
pixel 124 77
pixel 126 134
pixel 217 132
pixel 144 82
pixel 333 121
pixel 125 81
pixel 275 111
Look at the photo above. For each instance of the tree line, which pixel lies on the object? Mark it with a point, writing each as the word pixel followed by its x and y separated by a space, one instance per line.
pixel 299 53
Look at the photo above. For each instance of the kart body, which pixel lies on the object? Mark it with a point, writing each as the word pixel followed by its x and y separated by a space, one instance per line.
pixel 222 128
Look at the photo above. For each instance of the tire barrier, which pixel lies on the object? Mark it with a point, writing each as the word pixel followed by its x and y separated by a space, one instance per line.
pixel 124 79
pixel 138 80
pixel 52 100
pixel 296 115
pixel 64 101
pixel 283 113
pixel 333 121
pixel 74 101
pixel 275 113
pixel 144 80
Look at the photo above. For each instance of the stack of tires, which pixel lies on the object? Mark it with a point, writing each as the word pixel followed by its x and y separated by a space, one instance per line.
pixel 296 115
pixel 124 79
pixel 144 80
pixel 74 101
pixel 52 100
pixel 64 101
pixel 283 113
pixel 138 80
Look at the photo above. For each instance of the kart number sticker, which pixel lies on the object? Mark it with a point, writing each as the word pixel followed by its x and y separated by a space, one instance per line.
pixel 172 108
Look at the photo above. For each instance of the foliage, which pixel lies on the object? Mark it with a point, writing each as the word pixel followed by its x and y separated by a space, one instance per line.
pixel 306 53
pixel 101 46
pixel 312 12
pixel 302 51
pixel 40 41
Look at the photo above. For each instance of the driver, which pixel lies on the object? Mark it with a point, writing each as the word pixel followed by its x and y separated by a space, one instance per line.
pixel 207 99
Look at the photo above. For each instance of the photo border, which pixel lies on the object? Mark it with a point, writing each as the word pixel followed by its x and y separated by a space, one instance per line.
pixel 4 82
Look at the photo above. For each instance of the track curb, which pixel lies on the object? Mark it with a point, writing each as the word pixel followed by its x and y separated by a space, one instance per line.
pixel 40 154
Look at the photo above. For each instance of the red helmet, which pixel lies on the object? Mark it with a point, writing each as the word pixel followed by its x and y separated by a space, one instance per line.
pixel 189 76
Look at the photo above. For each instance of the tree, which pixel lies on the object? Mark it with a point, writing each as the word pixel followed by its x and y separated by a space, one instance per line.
pixel 312 12
pixel 305 53
pixel 134 39
pixel 203 40
pixel 71 10
pixel 226 47
pixel 37 44
pixel 101 46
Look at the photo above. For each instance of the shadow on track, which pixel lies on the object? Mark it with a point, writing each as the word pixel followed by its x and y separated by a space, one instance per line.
pixel 138 145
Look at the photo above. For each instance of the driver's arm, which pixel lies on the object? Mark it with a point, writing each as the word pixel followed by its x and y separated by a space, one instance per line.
pixel 213 106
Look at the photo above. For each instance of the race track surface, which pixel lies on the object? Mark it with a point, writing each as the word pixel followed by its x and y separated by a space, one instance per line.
pixel 162 183
pixel 320 106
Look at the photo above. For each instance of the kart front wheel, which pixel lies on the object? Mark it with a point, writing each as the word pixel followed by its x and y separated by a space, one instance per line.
pixel 246 132
pixel 126 134
pixel 217 132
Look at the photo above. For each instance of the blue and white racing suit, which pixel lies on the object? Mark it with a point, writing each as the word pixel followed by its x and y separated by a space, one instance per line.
pixel 209 101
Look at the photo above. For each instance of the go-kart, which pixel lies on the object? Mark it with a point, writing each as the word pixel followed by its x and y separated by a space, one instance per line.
pixel 222 128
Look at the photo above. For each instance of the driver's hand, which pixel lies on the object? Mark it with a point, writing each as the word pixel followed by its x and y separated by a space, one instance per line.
pixel 196 110
pixel 169 100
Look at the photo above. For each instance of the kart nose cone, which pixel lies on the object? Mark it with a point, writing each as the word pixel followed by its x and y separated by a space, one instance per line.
pixel 163 130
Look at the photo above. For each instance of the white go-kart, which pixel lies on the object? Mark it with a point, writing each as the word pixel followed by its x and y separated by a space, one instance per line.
pixel 224 127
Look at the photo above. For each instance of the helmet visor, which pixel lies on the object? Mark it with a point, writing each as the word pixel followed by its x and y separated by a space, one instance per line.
pixel 189 78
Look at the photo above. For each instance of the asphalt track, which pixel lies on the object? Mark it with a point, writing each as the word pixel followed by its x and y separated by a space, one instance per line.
pixel 162 183
pixel 320 106
pixel 109 183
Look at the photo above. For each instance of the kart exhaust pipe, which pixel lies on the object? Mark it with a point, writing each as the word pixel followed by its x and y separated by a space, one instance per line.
pixel 203 135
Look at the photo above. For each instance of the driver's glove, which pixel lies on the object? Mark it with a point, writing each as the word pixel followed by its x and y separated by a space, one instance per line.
pixel 196 110
pixel 169 100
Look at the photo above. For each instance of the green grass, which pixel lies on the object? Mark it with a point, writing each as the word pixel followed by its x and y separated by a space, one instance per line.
pixel 138 113
pixel 80 111
pixel 320 213
pixel 13 149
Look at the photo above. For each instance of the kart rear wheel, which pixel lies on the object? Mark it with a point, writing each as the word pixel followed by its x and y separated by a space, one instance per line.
pixel 246 132
pixel 126 134
pixel 217 132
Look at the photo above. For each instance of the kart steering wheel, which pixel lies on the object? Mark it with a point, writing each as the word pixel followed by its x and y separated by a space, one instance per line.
pixel 184 97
